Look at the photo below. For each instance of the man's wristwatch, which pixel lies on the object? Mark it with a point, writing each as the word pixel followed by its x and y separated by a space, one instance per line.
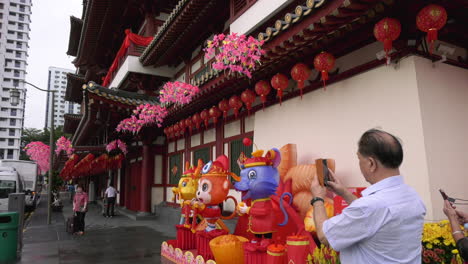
pixel 316 199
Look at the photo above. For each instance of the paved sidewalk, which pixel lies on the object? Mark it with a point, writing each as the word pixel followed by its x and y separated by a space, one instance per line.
pixel 107 240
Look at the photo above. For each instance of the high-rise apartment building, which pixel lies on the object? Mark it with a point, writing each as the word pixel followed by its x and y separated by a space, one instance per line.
pixel 15 17
pixel 58 81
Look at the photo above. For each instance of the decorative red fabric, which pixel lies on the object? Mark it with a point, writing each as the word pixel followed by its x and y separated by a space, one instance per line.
pixel 129 39
pixel 261 220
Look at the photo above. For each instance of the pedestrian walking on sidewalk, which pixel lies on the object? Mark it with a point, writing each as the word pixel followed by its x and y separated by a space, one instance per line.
pixel 80 207
pixel 111 195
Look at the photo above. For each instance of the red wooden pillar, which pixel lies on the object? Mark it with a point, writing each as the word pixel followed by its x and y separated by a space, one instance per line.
pixel 146 176
pixel 128 185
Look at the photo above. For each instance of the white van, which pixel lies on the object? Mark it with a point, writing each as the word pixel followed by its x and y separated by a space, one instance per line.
pixel 10 182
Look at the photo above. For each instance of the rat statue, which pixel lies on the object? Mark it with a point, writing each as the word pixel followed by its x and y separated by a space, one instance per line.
pixel 213 189
pixel 259 181
pixel 186 190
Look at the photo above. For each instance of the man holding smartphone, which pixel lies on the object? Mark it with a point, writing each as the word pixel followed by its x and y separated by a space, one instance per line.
pixel 385 225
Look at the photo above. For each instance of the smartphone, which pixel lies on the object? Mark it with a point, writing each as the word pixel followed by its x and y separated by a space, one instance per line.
pixel 326 172
pixel 443 194
pixel 323 173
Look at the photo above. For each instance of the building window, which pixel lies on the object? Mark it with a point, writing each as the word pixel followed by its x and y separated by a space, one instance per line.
pixel 175 168
pixel 20 35
pixel 17 73
pixel 238 7
pixel 12 122
pixel 5 99
pixel 235 149
pixel 13 112
pixel 10 154
pixel 18 54
pixel 15 82
pixel 203 154
pixel 11 142
pixel 1 5
pixel 17 63
pixel 21 17
pixel 12 14
pixel 11 132
pixel 13 4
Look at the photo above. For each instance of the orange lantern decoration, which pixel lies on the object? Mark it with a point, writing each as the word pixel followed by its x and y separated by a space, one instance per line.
pixel 215 113
pixel 205 116
pixel 235 103
pixel 170 130
pixel 431 19
pixel 280 83
pixel 188 124
pixel 248 97
pixel 182 127
pixel 196 120
pixel 176 129
pixel 323 63
pixel 300 73
pixel 386 31
pixel 224 107
pixel 262 88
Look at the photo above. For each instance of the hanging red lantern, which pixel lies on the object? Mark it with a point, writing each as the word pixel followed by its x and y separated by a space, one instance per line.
pixel 182 127
pixel 176 129
pixel 386 31
pixel 205 117
pixel 188 124
pixel 170 130
pixel 224 107
pixel 262 88
pixel 431 19
pixel 280 83
pixel 235 103
pixel 300 73
pixel 323 63
pixel 214 113
pixel 248 97
pixel 166 132
pixel 196 120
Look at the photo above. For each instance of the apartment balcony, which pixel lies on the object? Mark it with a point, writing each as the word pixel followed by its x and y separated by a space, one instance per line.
pixel 16 47
pixel 14 75
pixel 130 64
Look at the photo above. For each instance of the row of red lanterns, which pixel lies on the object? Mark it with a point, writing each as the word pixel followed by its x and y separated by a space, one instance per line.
pixel 430 19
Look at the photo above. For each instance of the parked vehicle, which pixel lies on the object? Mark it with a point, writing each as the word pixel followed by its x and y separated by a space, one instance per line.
pixel 22 175
pixel 10 182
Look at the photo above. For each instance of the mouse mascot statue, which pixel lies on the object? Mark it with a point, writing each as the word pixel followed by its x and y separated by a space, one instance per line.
pixel 259 181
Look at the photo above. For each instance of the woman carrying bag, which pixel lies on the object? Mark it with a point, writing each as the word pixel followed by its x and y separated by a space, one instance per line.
pixel 80 207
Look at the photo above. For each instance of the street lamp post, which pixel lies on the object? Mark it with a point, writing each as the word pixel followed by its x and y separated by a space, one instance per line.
pixel 14 100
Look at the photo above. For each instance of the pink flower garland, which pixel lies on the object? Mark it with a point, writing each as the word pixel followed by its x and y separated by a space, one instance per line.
pixel 237 53
pixel 143 115
pixel 64 144
pixel 39 152
pixel 177 93
pixel 117 144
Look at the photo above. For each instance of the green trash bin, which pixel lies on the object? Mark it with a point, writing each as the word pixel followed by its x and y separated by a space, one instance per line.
pixel 8 236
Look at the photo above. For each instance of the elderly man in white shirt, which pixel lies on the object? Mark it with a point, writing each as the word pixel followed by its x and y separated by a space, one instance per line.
pixel 111 195
pixel 385 225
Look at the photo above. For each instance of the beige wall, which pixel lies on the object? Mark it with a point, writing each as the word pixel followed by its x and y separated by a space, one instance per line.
pixel 443 92
pixel 329 123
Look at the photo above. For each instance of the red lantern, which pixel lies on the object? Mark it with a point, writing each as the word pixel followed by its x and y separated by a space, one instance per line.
pixel 300 73
pixel 386 31
pixel 215 113
pixel 176 129
pixel 248 97
pixel 235 103
pixel 166 132
pixel 247 142
pixel 205 117
pixel 182 127
pixel 170 130
pixel 280 83
pixel 262 88
pixel 224 107
pixel 188 123
pixel 323 63
pixel 196 120
pixel 431 19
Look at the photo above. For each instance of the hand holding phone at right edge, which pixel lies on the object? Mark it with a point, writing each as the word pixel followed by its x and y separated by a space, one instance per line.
pixel 335 185
pixel 449 211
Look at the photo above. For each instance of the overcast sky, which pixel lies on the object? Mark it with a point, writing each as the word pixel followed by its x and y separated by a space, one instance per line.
pixel 50 30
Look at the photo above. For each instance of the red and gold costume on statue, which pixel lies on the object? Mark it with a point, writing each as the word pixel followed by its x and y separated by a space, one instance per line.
pixel 261 217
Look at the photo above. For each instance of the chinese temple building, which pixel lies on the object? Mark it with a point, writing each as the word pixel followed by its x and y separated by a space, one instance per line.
pixel 125 51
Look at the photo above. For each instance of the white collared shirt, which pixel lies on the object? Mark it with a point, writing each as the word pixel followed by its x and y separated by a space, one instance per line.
pixel 382 227
pixel 111 192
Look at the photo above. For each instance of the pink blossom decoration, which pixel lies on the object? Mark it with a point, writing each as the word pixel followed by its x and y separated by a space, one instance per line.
pixel 39 152
pixel 234 52
pixel 143 115
pixel 178 93
pixel 64 144
pixel 117 144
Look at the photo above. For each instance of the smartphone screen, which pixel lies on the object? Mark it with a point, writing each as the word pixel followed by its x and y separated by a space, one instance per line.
pixel 326 176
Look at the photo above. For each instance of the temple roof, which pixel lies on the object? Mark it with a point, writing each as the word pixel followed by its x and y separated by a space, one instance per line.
pixel 73 92
pixel 76 26
pixel 71 122
pixel 119 96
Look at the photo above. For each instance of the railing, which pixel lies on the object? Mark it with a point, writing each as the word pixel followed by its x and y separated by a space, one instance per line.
pixel 132 50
